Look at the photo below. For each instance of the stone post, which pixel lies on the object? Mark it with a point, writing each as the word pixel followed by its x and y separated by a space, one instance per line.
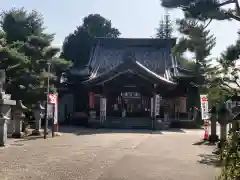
pixel 18 118
pixel 10 126
pixel 3 129
pixel 213 138
pixel 5 109
pixel 224 119
pixel 38 111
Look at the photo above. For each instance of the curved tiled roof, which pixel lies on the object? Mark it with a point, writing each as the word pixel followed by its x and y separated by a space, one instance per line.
pixel 128 62
pixel 153 54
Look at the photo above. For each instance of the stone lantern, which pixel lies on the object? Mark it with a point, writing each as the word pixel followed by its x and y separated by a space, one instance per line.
pixel 224 117
pixel 38 111
pixel 213 136
pixel 236 122
pixel 5 109
pixel 235 118
pixel 18 117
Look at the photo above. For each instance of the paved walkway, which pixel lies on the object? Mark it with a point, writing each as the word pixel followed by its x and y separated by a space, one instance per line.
pixel 109 155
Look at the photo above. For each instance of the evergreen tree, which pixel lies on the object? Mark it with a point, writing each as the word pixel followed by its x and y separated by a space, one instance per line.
pixel 228 72
pixel 160 31
pixel 206 9
pixel 25 51
pixel 198 40
pixel 77 45
pixel 168 28
pixel 165 29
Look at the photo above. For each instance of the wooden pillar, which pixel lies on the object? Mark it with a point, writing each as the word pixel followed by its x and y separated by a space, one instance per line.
pixel 91 96
pixel 103 105
pixel 92 112
pixel 154 107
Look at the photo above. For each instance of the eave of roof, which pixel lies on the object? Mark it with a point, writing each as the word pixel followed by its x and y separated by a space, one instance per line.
pixel 134 66
pixel 126 42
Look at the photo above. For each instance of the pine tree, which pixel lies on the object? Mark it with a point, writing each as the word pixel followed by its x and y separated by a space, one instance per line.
pixel 25 51
pixel 168 27
pixel 198 40
pixel 160 31
pixel 165 29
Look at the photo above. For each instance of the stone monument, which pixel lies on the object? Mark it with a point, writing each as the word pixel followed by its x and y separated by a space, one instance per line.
pixel 213 136
pixel 38 111
pixel 18 118
pixel 5 109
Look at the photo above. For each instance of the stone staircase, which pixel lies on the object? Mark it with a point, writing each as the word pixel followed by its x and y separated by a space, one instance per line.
pixel 128 122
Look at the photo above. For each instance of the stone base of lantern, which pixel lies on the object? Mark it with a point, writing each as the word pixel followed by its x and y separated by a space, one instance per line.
pixel 37 132
pixel 213 138
pixel 18 135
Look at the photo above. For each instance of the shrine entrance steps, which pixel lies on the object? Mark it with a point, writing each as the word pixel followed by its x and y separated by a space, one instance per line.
pixel 128 122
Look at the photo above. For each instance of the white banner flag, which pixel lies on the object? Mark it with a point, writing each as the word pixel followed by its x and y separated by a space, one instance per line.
pixel 53 98
pixel 204 106
pixel 151 107
pixel 157 104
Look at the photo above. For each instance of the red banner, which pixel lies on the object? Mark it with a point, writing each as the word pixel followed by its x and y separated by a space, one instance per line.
pixel 91 99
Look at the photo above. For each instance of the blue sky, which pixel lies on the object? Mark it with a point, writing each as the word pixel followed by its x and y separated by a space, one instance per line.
pixel 134 18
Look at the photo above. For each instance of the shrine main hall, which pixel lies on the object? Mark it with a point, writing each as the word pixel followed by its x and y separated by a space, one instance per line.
pixel 131 83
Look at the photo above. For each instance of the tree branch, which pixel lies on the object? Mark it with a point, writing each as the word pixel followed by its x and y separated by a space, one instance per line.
pixel 237 18
pixel 226 3
pixel 207 24
pixel 225 89
pixel 237 7
pixel 235 81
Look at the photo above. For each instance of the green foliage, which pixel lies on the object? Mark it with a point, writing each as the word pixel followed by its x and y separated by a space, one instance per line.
pixel 187 64
pixel 229 69
pixel 25 53
pixel 77 45
pixel 165 29
pixel 19 24
pixel 197 40
pixel 206 9
pixel 224 78
pixel 230 156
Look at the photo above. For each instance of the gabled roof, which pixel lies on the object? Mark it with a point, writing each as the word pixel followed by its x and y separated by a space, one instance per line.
pixel 129 65
pixel 154 54
pixel 134 42
pixel 152 58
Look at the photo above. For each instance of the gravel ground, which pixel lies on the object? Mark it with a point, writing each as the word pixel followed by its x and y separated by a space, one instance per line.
pixel 109 155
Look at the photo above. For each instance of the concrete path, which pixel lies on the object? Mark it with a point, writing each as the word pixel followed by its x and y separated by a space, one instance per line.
pixel 109 155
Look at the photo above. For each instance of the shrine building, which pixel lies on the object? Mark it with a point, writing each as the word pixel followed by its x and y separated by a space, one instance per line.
pixel 132 83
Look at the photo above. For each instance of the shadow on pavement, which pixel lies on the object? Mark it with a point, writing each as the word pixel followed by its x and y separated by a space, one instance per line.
pixel 89 131
pixel 177 130
pixel 204 142
pixel 115 131
pixel 29 138
pixel 209 159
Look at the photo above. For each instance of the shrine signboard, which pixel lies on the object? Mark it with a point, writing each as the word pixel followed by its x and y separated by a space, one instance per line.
pixel 204 106
pixel 53 99
pixel 157 104
pixel 50 110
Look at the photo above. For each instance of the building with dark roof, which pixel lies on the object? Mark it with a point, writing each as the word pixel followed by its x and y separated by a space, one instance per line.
pixel 134 78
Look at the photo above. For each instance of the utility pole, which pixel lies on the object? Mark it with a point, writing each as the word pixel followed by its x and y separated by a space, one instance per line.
pixel 46 109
